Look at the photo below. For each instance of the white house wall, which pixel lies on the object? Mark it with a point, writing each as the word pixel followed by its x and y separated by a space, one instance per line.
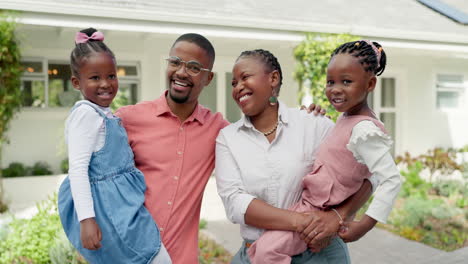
pixel 423 125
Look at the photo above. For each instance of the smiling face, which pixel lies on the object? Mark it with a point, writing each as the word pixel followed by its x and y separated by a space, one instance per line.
pixel 348 84
pixel 252 85
pixel 97 80
pixel 184 88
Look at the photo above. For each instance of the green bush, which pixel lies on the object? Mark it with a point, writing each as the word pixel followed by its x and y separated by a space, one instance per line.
pixel 41 168
pixel 64 165
pixel 62 252
pixel 413 185
pixel 29 240
pixel 449 188
pixel 15 169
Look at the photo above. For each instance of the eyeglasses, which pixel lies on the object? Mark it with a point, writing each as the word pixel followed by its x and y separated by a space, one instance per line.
pixel 192 68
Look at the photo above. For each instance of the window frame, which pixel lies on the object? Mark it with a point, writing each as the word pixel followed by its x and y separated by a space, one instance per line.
pixel 462 92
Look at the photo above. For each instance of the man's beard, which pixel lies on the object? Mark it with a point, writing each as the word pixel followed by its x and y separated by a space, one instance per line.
pixel 179 100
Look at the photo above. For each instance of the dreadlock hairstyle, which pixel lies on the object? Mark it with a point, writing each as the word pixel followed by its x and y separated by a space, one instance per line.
pixel 84 49
pixel 371 54
pixel 268 59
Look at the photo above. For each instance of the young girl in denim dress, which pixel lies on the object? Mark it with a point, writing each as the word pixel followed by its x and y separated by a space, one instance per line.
pixel 101 202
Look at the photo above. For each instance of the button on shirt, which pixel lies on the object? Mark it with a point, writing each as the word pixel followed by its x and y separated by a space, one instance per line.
pixel 177 159
pixel 248 166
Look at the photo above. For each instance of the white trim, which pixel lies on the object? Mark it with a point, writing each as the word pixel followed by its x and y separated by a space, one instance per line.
pixel 155 27
pixel 244 23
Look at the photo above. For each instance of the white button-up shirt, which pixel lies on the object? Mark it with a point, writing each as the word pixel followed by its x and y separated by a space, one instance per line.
pixel 248 166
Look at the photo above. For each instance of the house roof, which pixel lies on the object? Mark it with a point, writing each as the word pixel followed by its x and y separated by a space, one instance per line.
pixel 396 19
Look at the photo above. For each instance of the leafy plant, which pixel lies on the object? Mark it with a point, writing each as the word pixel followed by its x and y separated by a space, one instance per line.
pixel 15 169
pixel 211 252
pixel 313 55
pixel 436 159
pixel 10 72
pixel 62 252
pixel 64 165
pixel 29 240
pixel 413 185
pixel 202 224
pixel 41 168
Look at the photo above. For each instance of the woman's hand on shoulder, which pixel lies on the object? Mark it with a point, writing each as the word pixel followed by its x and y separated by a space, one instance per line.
pixel 90 234
pixel 315 109
pixel 320 230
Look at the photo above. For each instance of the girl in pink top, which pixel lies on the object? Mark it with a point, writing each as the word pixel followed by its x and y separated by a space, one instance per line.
pixel 357 148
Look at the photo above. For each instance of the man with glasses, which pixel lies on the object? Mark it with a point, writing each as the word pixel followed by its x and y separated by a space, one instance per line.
pixel 173 140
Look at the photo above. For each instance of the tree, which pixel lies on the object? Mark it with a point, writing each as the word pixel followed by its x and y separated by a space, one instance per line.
pixel 10 72
pixel 313 55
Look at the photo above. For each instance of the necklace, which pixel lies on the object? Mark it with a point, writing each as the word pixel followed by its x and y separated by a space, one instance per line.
pixel 271 131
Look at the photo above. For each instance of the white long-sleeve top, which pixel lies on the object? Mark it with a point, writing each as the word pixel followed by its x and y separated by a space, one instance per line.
pixel 371 146
pixel 85 133
pixel 249 167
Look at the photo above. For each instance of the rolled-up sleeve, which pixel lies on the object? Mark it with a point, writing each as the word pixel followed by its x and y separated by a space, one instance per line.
pixel 230 186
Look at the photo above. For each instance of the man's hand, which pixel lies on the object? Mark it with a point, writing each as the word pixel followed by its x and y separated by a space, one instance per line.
pixel 90 234
pixel 323 227
pixel 315 109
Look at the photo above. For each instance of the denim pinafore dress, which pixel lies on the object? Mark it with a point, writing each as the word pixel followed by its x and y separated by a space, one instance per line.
pixel 129 233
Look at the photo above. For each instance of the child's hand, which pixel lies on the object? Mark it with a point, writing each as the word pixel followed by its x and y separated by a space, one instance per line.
pixel 354 230
pixel 90 234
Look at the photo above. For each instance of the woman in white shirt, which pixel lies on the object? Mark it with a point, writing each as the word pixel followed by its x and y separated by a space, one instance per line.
pixel 262 158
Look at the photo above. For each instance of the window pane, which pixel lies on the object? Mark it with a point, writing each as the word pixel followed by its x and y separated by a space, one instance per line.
pixel 388 92
pixel 451 78
pixel 389 120
pixel 447 81
pixel 61 91
pixel 32 66
pixel 125 71
pixel 33 93
pixel 209 94
pixel 233 113
pixel 447 99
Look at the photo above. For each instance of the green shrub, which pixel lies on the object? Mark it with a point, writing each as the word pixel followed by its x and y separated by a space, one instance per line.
pixel 415 210
pixel 41 168
pixel 413 185
pixel 64 165
pixel 202 224
pixel 29 240
pixel 62 252
pixel 15 169
pixel 448 188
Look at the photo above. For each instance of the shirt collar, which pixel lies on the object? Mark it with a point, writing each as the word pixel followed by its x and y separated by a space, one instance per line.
pixel 282 116
pixel 163 108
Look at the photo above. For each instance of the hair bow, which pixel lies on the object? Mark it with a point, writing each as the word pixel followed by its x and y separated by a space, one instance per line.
pixel 81 37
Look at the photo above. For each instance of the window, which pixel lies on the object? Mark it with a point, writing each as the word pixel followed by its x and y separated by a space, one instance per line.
pixel 129 81
pixel 47 84
pixel 384 103
pixel 450 91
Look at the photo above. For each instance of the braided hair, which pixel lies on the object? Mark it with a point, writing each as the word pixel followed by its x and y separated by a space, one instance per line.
pixel 268 59
pixel 84 50
pixel 367 54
